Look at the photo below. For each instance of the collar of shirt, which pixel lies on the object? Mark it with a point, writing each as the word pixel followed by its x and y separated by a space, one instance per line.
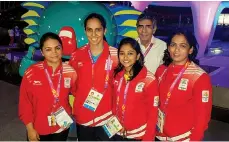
pixel 104 54
pixel 49 68
pixel 142 46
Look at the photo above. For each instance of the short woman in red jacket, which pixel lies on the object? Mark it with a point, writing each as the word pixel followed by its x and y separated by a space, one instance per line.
pixel 135 95
pixel 185 92
pixel 43 103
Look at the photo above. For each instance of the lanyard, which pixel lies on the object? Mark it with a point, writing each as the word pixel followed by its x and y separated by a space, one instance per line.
pixel 124 97
pixel 148 49
pixel 107 71
pixel 55 92
pixel 174 83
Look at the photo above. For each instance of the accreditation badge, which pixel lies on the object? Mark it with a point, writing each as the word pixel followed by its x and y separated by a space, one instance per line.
pixel 93 99
pixel 112 127
pixel 160 121
pixel 62 118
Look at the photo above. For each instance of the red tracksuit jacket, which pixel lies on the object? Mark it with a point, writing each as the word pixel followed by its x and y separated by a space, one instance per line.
pixel 188 109
pixel 141 105
pixel 81 62
pixel 36 99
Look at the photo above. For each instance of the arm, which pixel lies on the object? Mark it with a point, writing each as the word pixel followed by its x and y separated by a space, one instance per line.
pixel 113 94
pixel 74 83
pixel 202 93
pixel 159 72
pixel 25 103
pixel 152 104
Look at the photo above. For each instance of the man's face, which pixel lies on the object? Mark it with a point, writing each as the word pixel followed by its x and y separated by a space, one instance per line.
pixel 145 29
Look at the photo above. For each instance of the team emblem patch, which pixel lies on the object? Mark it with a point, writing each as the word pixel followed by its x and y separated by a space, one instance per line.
pixel 205 96
pixel 183 84
pixel 67 82
pixel 139 87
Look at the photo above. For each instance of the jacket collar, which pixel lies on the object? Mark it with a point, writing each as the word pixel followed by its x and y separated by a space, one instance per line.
pixel 49 68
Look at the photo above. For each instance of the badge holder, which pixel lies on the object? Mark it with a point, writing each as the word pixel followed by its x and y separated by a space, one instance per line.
pixel 93 99
pixel 62 118
pixel 160 121
pixel 112 127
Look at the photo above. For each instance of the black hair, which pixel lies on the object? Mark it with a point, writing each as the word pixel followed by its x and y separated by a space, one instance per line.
pixel 138 65
pixel 191 41
pixel 49 35
pixel 100 18
pixel 146 16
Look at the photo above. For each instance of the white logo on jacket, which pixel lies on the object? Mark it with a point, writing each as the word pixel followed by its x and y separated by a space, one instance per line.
pixel 37 82
pixel 67 82
pixel 139 87
pixel 80 64
pixel 183 84
pixel 205 96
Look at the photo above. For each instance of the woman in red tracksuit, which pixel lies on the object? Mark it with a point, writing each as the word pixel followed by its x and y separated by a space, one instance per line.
pixel 185 92
pixel 135 90
pixel 94 65
pixel 44 94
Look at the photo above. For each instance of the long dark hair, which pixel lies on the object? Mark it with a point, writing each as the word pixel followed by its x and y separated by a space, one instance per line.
pixel 138 65
pixel 100 18
pixel 191 41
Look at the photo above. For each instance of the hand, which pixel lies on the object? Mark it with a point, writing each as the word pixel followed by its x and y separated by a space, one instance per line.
pixel 33 135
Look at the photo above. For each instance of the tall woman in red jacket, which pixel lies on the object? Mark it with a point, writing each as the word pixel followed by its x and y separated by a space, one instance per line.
pixel 185 92
pixel 43 103
pixel 135 92
pixel 94 65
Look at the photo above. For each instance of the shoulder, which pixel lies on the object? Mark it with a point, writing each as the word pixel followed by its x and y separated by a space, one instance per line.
pixel 113 51
pixel 33 70
pixel 195 69
pixel 67 68
pixel 159 41
pixel 149 80
pixel 77 54
pixel 149 76
pixel 79 51
pixel 160 70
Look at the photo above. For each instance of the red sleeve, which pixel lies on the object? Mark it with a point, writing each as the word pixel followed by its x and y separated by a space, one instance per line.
pixel 73 60
pixel 202 93
pixel 74 83
pixel 159 71
pixel 152 103
pixel 25 102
